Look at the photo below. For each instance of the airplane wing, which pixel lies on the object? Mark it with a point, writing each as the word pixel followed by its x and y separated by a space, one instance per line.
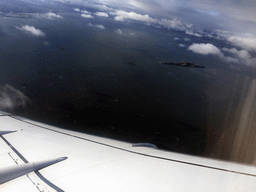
pixel 38 157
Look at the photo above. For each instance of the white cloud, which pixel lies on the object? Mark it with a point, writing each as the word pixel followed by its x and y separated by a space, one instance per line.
pixel 87 16
pixel 51 15
pixel 229 59
pixel 82 11
pixel 146 5
pixel 221 34
pixel 32 30
pixel 122 15
pixel 176 39
pixel 101 14
pixel 204 49
pixel 85 12
pixel 186 39
pixel 237 56
pixel 193 33
pixel 103 7
pixel 95 4
pixel 98 6
pixel 119 31
pixel 233 15
pixel 248 43
pixel 182 45
pixel 11 98
pixel 172 24
pixel 100 26
pixel 243 56
pixel 97 26
pixel 244 41
pixel 189 25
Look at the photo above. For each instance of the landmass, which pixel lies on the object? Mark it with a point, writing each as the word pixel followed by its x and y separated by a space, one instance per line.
pixel 19 15
pixel 183 64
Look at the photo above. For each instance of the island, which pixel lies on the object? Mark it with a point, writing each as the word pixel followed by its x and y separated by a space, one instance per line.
pixel 12 15
pixel 183 64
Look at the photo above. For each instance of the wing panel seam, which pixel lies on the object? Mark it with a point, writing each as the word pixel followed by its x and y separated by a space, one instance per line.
pixel 36 172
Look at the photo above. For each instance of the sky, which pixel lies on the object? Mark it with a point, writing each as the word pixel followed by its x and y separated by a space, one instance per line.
pixel 232 21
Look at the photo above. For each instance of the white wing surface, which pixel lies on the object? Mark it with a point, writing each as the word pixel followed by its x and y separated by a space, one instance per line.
pixel 38 157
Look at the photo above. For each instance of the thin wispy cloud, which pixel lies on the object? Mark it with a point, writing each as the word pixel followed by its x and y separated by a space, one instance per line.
pixel 121 15
pixel 11 98
pixel 32 30
pixel 99 26
pixel 172 24
pixel 51 15
pixel 182 45
pixel 46 43
pixel 119 31
pixel 99 6
pixel 193 33
pixel 87 16
pixel 85 12
pixel 235 9
pixel 101 14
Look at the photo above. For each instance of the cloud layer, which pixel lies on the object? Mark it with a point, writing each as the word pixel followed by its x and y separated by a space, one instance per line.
pixel 230 55
pixel 196 21
pixel 248 43
pixel 242 56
